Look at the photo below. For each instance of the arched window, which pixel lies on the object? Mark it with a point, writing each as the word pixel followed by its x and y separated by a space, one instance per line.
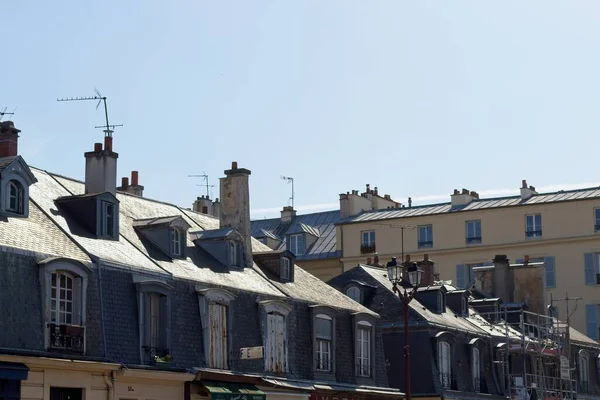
pixel 476 369
pixel 354 293
pixel 584 371
pixel 176 241
pixel 440 302
pixel 15 195
pixel 324 339
pixel 464 307
pixel 61 298
pixel 444 364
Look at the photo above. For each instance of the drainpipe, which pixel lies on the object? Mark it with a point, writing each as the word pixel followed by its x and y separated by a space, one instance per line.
pixel 110 384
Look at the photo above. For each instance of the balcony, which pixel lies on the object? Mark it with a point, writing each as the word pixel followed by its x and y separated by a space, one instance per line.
pixel 426 244
pixel 533 234
pixel 448 381
pixel 67 337
pixel 367 248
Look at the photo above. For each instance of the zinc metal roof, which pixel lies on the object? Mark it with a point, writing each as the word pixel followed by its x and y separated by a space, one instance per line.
pixel 477 204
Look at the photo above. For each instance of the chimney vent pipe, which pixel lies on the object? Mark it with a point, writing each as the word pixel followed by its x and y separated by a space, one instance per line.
pixel 134 178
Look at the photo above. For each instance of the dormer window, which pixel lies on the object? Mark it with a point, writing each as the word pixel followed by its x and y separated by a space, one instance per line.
pixel 15 195
pixel 176 242
pixel 233 254
pixel 108 219
pixel 285 269
pixel 354 293
pixel 463 305
pixel 297 244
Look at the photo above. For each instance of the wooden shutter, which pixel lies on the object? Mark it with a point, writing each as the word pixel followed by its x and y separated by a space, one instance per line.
pixel 591 320
pixel 461 276
pixel 550 272
pixel 276 343
pixel 590 276
pixel 218 352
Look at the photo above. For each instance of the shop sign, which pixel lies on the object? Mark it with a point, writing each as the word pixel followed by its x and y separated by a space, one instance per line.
pixel 252 353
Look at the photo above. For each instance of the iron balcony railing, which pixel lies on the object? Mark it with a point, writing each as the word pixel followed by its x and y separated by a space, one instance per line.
pixel 67 337
pixel 367 248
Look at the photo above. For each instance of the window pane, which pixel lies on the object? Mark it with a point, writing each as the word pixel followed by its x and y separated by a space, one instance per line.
pixel 323 328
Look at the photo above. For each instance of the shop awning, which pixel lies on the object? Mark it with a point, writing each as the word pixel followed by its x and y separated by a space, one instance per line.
pixel 233 391
pixel 13 371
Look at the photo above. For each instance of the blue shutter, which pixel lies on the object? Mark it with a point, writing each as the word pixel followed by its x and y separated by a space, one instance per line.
pixel 550 272
pixel 590 276
pixel 461 276
pixel 591 320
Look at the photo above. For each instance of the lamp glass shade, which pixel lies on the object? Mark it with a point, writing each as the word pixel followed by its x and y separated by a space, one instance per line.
pixel 394 273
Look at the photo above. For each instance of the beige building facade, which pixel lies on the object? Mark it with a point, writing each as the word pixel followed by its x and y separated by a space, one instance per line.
pixel 561 229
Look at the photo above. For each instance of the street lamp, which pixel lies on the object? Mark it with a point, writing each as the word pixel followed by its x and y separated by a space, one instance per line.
pixel 405 278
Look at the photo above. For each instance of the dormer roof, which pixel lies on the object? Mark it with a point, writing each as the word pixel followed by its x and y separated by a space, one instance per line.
pixel 300 227
pixel 17 165
pixel 175 221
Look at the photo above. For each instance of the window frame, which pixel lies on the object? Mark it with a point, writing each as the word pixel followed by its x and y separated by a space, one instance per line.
pixel 176 242
pixel 471 240
pixel 286 266
pixel 233 254
pixel 295 239
pixel 108 220
pixel 145 287
pixel 441 304
pixel 357 289
pixel 476 369
pixel 276 308
pixel 537 231
pixel 583 372
pixel 327 314
pixel 366 322
pixel 596 220
pixel 19 197
pixel 10 393
pixel 368 241
pixel 56 298
pixel 80 273
pixel 428 243
pixel 208 297
pixel 444 362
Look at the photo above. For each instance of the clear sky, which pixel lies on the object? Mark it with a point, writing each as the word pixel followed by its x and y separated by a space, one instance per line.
pixel 414 97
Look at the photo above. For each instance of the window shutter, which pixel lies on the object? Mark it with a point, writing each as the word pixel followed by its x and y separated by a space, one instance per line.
pixel 591 311
pixel 146 317
pixel 224 335
pixel 77 300
pixel 550 272
pixel 164 323
pixel 461 276
pixel 590 276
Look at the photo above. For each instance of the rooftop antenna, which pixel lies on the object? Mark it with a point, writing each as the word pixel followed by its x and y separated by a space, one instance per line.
pixel 205 177
pixel 101 99
pixel 289 179
pixel 3 112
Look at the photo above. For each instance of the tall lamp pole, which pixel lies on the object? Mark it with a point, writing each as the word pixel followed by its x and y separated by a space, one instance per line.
pixel 405 279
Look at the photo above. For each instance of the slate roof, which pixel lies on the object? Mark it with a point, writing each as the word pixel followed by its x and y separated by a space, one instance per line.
pixel 5 162
pixel 320 225
pixel 134 251
pixel 480 204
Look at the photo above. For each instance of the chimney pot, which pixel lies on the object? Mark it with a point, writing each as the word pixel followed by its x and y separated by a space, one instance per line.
pixel 368 260
pixel 97 147
pixel 134 178
pixel 524 184
pixel 108 142
pixel 526 259
pixel 456 191
pixel 124 182
pixel 426 257
pixel 234 165
pixel 409 202
pixel 407 258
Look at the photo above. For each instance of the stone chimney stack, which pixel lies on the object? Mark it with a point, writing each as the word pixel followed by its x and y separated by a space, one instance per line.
pixel 503 280
pixel 287 214
pixel 527 191
pixel 135 188
pixel 203 205
pixel 427 266
pixel 9 139
pixel 101 168
pixel 235 206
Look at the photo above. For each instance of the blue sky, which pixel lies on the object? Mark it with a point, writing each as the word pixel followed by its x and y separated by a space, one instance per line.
pixel 416 98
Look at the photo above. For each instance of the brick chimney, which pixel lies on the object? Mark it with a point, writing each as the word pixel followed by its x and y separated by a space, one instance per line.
pixel 427 266
pixel 527 191
pixel 135 188
pixel 9 139
pixel 101 168
pixel 235 206
pixel 503 280
pixel 287 214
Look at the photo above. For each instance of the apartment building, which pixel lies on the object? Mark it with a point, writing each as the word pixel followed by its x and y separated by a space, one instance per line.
pixel 562 229
pixel 106 294
pixel 311 237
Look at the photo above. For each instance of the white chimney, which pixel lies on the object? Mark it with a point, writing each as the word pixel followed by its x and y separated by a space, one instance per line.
pixel 235 206
pixel 527 192
pixel 101 168
pixel 463 198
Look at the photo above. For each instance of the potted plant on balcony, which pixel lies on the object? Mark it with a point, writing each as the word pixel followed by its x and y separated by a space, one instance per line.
pixel 163 362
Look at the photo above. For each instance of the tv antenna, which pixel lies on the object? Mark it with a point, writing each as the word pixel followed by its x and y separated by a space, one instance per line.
pixel 3 112
pixel 289 179
pixel 205 177
pixel 101 99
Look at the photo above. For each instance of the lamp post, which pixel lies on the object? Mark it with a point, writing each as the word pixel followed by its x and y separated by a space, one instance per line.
pixel 405 279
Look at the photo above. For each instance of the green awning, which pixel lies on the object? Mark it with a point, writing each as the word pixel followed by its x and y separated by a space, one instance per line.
pixel 233 391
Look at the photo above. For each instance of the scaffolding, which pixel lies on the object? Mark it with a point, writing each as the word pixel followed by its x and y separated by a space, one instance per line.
pixel 534 353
